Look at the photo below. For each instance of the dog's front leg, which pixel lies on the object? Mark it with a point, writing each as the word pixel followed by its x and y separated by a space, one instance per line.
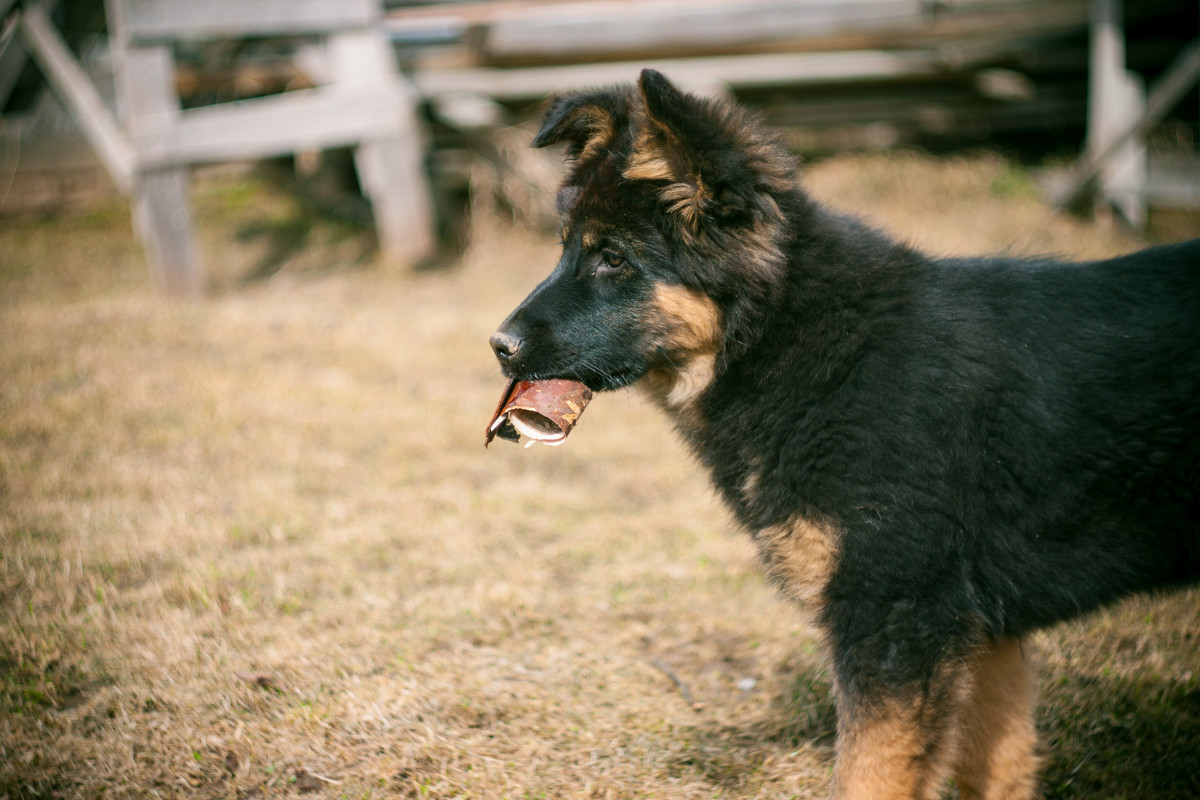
pixel 891 749
pixel 898 735
pixel 970 715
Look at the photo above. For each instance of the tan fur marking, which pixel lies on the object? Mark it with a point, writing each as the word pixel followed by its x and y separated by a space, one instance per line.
pixel 602 131
pixel 692 381
pixel 800 557
pixel 879 759
pixel 997 759
pixel 750 484
pixel 695 320
pixel 894 749
pixel 590 240
pixel 649 167
pixel 687 326
pixel 656 157
pixel 888 758
pixel 686 199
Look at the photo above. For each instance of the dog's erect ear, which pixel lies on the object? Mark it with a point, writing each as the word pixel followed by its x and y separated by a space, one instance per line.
pixel 686 143
pixel 586 122
pixel 664 102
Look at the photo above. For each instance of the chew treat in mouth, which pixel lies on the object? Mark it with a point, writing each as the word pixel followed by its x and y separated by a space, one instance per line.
pixel 541 411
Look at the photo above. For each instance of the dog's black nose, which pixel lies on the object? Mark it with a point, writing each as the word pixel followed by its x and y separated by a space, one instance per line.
pixel 505 345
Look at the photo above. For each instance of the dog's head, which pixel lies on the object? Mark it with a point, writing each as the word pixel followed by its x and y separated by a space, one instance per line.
pixel 673 234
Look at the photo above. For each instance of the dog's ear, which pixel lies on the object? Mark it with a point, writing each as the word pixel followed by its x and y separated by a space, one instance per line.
pixel 586 122
pixel 707 154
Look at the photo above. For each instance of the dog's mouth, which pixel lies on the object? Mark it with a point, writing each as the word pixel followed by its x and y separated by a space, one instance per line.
pixel 591 376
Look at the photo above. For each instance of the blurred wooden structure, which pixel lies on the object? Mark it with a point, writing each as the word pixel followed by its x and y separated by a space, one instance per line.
pixel 861 72
pixel 521 50
pixel 1120 115
pixel 834 74
pixel 151 145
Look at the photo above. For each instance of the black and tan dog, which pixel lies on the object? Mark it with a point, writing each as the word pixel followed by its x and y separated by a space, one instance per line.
pixel 936 456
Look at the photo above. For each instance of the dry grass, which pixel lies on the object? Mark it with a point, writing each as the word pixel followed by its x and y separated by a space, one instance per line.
pixel 253 546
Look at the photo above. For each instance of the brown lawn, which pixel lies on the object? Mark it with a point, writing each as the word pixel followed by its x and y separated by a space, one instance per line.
pixel 253 546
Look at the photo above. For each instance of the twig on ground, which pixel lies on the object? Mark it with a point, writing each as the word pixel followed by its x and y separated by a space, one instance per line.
pixel 665 669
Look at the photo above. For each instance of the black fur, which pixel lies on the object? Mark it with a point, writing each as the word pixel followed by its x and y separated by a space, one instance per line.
pixel 999 443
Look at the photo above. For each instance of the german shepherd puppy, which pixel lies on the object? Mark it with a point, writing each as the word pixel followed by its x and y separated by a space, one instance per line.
pixel 936 456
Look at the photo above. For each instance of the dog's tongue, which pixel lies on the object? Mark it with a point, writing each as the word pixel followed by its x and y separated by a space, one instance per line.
pixel 541 411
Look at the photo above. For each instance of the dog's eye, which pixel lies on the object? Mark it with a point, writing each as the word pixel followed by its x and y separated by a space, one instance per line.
pixel 610 263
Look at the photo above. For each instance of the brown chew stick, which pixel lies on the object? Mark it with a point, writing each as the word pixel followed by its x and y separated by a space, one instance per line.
pixel 541 411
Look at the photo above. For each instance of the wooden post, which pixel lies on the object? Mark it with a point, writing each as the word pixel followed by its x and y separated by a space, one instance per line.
pixel 162 209
pixel 78 94
pixel 391 166
pixel 1115 96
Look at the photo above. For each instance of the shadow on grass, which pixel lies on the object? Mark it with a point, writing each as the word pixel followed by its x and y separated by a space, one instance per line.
pixel 285 213
pixel 1102 738
pixel 1118 738
pixel 800 716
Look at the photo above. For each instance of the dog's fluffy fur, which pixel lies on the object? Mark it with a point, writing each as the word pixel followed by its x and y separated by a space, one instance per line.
pixel 936 456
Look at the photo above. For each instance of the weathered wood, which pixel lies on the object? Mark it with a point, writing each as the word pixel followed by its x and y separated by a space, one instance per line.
pixel 168 20
pixel 78 94
pixel 739 72
pixel 392 173
pixel 517 31
pixel 147 103
pixel 309 119
pixel 368 104
pixel 625 27
pixel 1114 96
pixel 390 160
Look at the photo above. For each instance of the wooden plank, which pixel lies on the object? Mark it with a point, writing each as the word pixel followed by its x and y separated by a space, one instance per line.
pixel 583 29
pixel 359 57
pixel 166 20
pixel 78 94
pixel 599 27
pixel 311 119
pixel 750 71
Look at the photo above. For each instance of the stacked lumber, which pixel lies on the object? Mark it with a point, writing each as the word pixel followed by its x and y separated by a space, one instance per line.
pixel 834 74
pixel 892 70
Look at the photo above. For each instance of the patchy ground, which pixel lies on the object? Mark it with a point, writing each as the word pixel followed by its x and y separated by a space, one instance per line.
pixel 254 547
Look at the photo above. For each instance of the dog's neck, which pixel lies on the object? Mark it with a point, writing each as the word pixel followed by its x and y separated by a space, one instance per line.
pixel 799 336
